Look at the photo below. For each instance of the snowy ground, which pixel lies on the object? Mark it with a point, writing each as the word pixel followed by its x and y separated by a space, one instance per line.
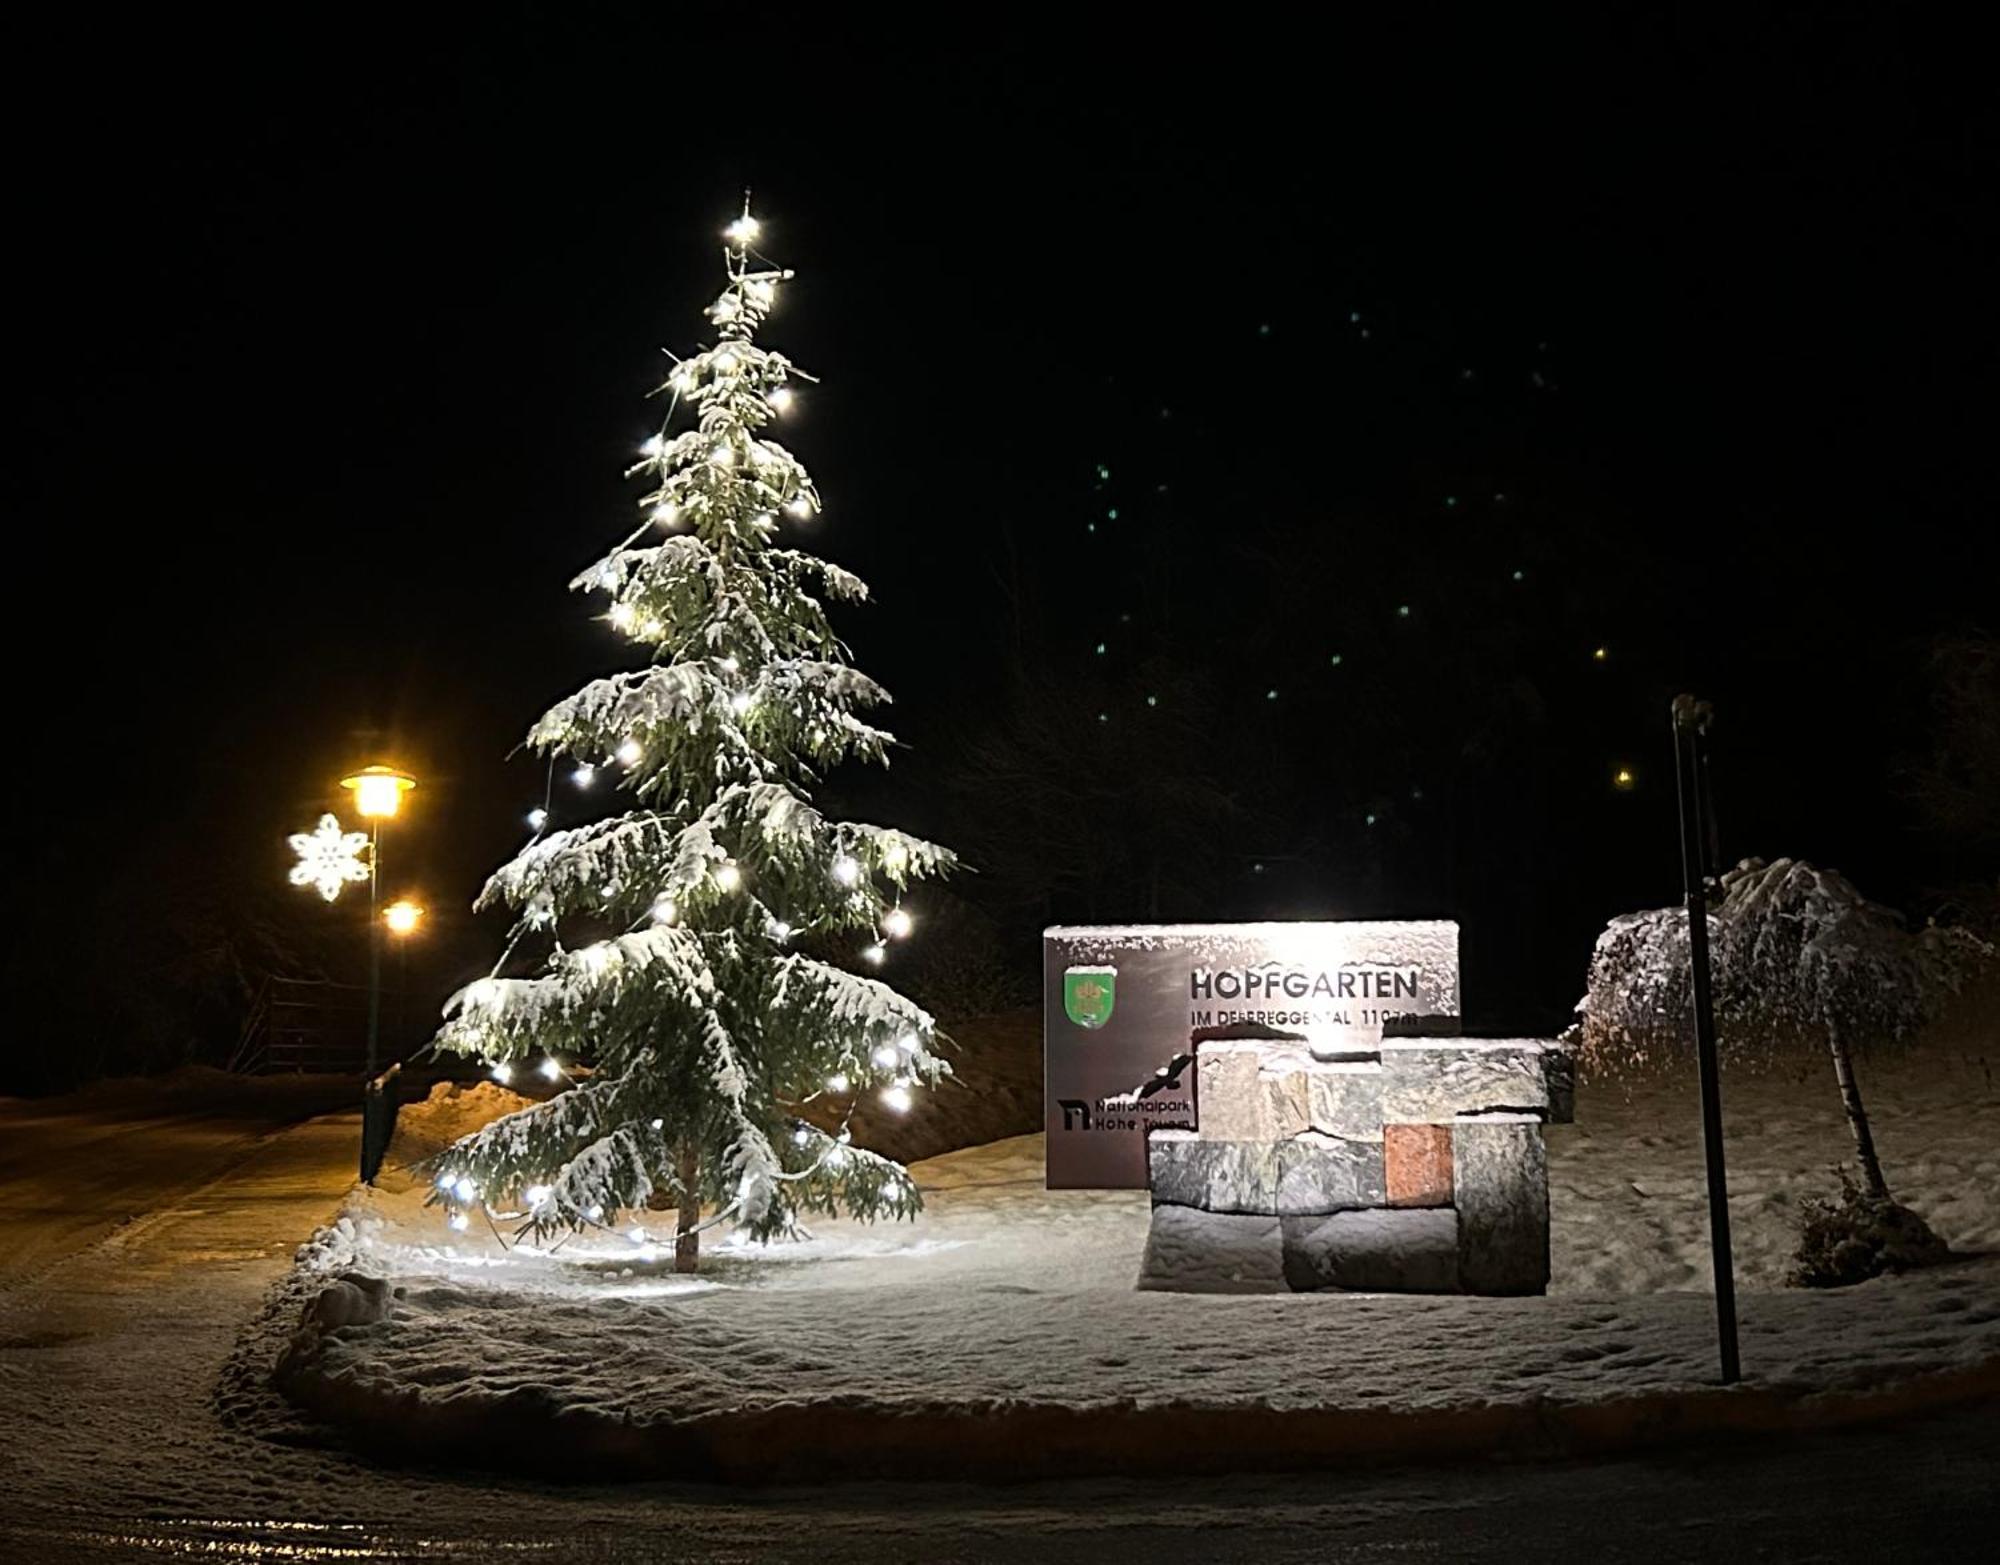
pixel 114 1443
pixel 1007 1313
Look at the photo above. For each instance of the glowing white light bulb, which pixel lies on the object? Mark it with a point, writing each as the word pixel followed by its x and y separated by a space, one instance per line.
pixel 729 877
pixel 837 1083
pixel 876 953
pixel 446 1180
pixel 846 870
pixel 741 702
pixel 801 1137
pixel 780 930
pixel 659 1124
pixel 666 513
pixel 622 615
pixel 723 455
pixel 896 923
pixel 464 1188
pixel 665 911
pixel 896 1098
pixel 629 753
pixel 503 1073
pixel 538 818
pixel 799 505
pixel 730 665
pixel 594 1212
pixel 780 399
pixel 535 1195
pixel 460 1221
pixel 584 775
pixel 653 447
pixel 743 230
pixel 761 291
pixel 909 1043
pixel 725 362
pixel 836 1156
pixel 887 1057
pixel 551 1067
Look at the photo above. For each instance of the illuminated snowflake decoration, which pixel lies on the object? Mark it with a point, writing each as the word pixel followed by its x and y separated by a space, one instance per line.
pixel 328 857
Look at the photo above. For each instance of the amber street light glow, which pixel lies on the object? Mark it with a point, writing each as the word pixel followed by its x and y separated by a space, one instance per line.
pixel 378 790
pixel 402 917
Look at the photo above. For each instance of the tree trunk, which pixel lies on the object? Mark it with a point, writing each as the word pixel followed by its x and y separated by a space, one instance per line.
pixel 1857 1116
pixel 687 1243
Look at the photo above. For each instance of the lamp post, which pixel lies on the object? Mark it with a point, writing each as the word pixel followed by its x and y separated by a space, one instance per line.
pixel 378 794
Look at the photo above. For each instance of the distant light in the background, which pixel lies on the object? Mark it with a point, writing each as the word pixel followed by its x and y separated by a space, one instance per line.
pixel 1624 778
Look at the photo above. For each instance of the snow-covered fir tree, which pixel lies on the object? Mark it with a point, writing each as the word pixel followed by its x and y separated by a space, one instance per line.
pixel 716 1050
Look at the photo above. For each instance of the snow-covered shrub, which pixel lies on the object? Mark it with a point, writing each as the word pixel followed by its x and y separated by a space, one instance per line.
pixel 1796 954
pixel 1856 1235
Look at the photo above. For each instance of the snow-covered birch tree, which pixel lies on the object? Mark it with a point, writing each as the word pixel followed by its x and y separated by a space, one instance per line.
pixel 717 1049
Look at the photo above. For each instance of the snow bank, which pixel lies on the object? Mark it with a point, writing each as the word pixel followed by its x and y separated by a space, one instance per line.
pixel 1795 951
pixel 1000 1333
pixel 450 1112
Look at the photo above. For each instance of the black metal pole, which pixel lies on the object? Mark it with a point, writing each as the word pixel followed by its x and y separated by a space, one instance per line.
pixel 374 947
pixel 1691 719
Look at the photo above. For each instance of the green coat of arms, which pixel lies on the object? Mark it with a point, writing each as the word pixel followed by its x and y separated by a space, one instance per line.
pixel 1088 994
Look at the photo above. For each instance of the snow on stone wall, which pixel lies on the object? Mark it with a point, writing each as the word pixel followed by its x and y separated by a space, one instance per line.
pixel 1795 951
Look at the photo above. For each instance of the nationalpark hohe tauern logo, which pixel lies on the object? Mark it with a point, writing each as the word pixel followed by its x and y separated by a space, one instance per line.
pixel 1089 993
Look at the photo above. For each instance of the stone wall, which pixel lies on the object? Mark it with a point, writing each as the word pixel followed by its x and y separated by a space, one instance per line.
pixel 1414 1166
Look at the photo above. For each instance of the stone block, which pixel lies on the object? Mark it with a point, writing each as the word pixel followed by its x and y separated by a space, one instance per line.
pixel 1184 1169
pixel 1378 1251
pixel 1251 1091
pixel 1306 1173
pixel 1416 1164
pixel 1191 1251
pixel 1559 1065
pixel 1436 1080
pixel 1319 1173
pixel 1226 1092
pixel 1345 1099
pixel 1500 1180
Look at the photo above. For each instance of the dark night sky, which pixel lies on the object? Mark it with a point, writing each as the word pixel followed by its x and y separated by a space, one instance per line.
pixel 336 332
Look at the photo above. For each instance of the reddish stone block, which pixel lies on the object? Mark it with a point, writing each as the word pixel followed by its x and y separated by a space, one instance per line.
pixel 1416 1164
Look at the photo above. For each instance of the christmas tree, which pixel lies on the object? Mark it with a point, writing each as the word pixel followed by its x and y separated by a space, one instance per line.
pixel 717 1050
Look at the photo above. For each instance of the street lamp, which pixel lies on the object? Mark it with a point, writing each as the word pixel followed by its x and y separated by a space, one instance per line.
pixel 402 917
pixel 378 795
